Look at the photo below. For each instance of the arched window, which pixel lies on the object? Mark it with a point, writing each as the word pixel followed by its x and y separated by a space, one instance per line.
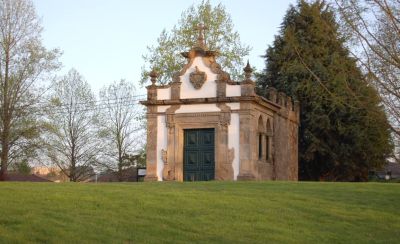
pixel 260 146
pixel 267 148
pixel 260 137
pixel 268 141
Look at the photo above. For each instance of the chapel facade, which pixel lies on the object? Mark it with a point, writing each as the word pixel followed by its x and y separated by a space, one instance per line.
pixel 204 126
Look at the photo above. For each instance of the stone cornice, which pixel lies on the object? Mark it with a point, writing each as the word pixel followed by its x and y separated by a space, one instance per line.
pixel 257 99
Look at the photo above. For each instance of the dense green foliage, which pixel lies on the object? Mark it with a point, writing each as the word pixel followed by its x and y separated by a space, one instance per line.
pixel 220 36
pixel 344 131
pixel 201 212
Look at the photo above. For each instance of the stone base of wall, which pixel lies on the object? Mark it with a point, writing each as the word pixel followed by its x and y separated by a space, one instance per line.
pixel 150 178
pixel 246 177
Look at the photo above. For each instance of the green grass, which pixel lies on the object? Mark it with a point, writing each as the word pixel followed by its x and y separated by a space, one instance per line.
pixel 202 212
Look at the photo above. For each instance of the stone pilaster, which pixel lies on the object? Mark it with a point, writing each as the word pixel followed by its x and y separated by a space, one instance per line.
pixel 175 90
pixel 221 171
pixel 151 93
pixel 151 147
pixel 224 169
pixel 246 153
pixel 169 166
pixel 247 88
pixel 221 88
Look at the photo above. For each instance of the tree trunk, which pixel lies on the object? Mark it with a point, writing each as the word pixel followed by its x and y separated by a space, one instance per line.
pixel 5 134
pixel 120 169
pixel 72 171
pixel 72 176
pixel 120 159
pixel 4 152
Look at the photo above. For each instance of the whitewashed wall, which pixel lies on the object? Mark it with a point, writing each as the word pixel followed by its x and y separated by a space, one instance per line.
pixel 164 93
pixel 163 108
pixel 234 106
pixel 233 90
pixel 198 108
pixel 209 88
pixel 233 142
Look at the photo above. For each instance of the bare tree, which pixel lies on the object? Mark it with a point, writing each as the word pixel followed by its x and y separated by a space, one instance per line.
pixel 122 125
pixel 72 141
pixel 24 62
pixel 374 26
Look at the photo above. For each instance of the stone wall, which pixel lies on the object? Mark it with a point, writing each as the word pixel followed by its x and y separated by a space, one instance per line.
pixel 286 122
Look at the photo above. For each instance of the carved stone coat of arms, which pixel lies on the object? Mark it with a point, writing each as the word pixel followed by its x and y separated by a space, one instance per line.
pixel 197 78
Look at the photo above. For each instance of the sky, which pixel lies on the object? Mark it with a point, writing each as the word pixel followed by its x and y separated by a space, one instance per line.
pixel 104 40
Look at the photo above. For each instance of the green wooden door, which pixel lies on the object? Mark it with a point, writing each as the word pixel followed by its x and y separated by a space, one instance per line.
pixel 198 155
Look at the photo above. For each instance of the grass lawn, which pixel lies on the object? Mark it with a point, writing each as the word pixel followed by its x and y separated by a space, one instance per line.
pixel 204 212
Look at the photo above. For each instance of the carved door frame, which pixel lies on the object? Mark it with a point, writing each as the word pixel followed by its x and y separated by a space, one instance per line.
pixel 223 163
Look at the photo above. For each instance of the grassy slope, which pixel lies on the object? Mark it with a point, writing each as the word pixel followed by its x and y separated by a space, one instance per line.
pixel 240 212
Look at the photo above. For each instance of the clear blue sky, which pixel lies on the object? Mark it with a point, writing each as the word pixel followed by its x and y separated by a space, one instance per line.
pixel 105 39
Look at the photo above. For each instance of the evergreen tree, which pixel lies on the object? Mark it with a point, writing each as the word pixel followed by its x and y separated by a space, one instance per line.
pixel 344 131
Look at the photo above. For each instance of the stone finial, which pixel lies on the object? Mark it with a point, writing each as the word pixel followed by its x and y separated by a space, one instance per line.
pixel 281 99
pixel 152 89
pixel 247 86
pixel 271 94
pixel 296 105
pixel 289 103
pixel 248 70
pixel 247 74
pixel 200 38
pixel 153 77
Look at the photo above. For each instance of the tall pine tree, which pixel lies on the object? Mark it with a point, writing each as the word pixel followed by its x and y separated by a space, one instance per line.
pixel 344 131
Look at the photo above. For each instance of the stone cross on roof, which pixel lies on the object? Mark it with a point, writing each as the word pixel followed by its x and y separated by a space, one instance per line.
pixel 200 38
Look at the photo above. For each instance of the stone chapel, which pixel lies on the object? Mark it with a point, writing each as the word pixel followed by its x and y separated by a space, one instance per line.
pixel 204 126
